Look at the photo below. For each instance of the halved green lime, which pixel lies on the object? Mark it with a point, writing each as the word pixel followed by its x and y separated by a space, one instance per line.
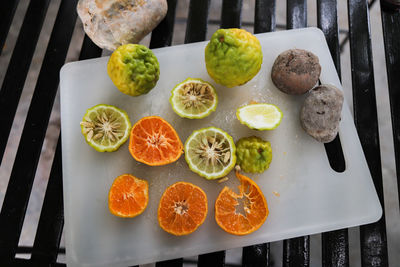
pixel 210 152
pixel 105 127
pixel 193 99
pixel 260 116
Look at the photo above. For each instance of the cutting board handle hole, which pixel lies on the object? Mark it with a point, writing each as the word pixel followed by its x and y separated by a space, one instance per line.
pixel 335 155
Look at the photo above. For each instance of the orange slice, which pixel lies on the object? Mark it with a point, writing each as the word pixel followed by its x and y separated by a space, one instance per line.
pixel 155 142
pixel 128 196
pixel 241 219
pixel 182 208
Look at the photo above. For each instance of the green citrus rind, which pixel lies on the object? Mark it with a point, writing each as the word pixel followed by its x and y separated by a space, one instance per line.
pixel 252 124
pixel 175 102
pixel 233 57
pixel 254 155
pixel 121 141
pixel 134 69
pixel 232 159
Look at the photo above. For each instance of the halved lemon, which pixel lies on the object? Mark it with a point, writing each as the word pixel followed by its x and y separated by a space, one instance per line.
pixel 210 152
pixel 193 99
pixel 260 116
pixel 105 127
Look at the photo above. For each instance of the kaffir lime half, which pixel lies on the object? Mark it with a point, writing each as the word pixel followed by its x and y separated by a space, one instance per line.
pixel 260 116
pixel 210 152
pixel 233 57
pixel 105 127
pixel 193 99
pixel 134 69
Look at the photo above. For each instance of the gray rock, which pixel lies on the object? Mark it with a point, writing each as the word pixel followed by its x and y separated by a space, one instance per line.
pixel 321 112
pixel 111 23
pixel 296 71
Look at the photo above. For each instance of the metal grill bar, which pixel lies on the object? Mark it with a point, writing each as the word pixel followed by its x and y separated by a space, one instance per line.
pixel 212 259
pixel 296 14
pixel 264 17
pixel 7 12
pixel 51 222
pixel 18 68
pixel 170 263
pixel 28 154
pixel 335 244
pixel 162 34
pixel 89 49
pixel 231 16
pixel 196 29
pixel 373 236
pixel 391 30
pixel 256 256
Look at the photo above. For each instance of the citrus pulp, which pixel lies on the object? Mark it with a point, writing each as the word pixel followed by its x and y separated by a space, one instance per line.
pixel 105 127
pixel 154 141
pixel 182 209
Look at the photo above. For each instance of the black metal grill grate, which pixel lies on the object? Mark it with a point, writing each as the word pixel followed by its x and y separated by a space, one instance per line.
pixel 296 252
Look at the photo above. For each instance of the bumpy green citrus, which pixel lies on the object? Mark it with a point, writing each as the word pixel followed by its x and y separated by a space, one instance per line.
pixel 134 69
pixel 253 154
pixel 233 57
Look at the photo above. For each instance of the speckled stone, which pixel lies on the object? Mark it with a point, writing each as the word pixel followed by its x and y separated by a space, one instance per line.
pixel 321 112
pixel 111 23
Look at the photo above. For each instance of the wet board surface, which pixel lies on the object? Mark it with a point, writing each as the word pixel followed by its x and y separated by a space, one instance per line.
pixel 304 194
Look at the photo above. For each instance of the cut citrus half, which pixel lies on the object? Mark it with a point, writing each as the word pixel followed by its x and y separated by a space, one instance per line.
pixel 210 152
pixel 260 116
pixel 193 99
pixel 128 196
pixel 154 142
pixel 182 209
pixel 243 213
pixel 105 127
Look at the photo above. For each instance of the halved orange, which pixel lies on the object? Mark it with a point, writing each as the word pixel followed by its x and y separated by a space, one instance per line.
pixel 155 142
pixel 128 196
pixel 182 208
pixel 251 201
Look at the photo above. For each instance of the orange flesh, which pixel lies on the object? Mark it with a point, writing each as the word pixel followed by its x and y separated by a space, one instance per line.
pixel 154 141
pixel 128 196
pixel 182 208
pixel 246 220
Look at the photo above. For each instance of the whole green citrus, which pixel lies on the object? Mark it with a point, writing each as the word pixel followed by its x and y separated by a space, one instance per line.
pixel 253 154
pixel 134 69
pixel 233 57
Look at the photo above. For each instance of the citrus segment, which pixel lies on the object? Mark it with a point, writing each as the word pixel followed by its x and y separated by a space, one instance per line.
pixel 154 141
pixel 210 152
pixel 182 209
pixel 260 116
pixel 128 196
pixel 105 127
pixel 193 99
pixel 243 213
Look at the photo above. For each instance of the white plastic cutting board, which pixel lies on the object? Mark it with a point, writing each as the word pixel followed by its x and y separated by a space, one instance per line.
pixel 313 198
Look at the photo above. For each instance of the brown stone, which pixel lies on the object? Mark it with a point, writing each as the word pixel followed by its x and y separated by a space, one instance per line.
pixel 296 71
